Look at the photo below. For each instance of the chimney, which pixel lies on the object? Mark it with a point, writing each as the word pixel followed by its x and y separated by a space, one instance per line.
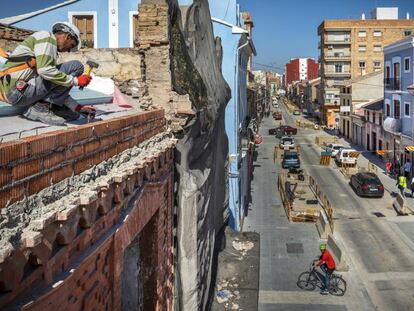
pixel 407 16
pixel 363 16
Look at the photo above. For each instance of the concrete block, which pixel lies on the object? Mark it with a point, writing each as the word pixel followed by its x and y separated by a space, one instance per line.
pixel 31 238
pixel 322 224
pixel 338 252
pixel 399 205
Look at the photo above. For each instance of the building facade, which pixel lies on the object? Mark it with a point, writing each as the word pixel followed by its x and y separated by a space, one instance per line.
pixel 352 48
pixel 311 97
pixel 354 95
pixel 398 99
pixel 374 133
pixel 299 69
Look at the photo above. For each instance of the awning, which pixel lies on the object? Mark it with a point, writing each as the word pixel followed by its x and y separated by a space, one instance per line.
pixel 409 148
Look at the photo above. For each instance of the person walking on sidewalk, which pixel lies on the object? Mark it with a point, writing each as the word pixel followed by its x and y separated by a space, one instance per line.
pixel 388 168
pixel 402 184
pixel 412 187
pixel 407 168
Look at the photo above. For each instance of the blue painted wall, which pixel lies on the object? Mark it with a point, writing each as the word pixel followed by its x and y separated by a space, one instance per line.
pixel 46 20
pixel 407 79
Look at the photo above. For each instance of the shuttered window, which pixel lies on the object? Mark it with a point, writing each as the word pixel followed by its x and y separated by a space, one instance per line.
pixel 85 25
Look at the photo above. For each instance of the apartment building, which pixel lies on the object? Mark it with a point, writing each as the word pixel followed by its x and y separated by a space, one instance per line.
pixel 299 69
pixel 399 99
pixel 352 48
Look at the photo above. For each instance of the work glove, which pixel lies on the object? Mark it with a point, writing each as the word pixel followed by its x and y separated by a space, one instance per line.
pixel 83 80
pixel 87 111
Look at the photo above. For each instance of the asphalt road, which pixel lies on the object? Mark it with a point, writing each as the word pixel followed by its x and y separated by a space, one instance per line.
pixel 380 249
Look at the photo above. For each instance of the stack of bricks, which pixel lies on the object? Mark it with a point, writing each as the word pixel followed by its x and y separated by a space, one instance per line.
pixel 152 25
pixel 73 257
pixel 31 164
pixel 13 33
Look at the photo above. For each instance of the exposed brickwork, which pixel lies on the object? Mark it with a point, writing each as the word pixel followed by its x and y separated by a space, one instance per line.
pixel 11 36
pixel 34 163
pixel 80 250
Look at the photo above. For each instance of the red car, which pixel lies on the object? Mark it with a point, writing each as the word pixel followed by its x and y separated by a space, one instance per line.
pixel 289 130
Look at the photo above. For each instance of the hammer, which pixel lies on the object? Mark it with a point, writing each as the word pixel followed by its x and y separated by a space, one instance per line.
pixel 91 64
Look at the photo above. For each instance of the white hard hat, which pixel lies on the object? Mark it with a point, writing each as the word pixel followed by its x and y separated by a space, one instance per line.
pixel 69 28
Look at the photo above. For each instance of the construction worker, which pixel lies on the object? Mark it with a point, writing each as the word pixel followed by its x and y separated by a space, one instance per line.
pixel 31 78
pixel 327 265
pixel 402 184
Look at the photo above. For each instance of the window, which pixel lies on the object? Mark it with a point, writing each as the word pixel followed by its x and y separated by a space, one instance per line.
pixel 377 64
pixel 362 34
pixel 85 23
pixel 377 48
pixel 407 33
pixel 388 110
pixel 407 64
pixel 349 102
pixel 367 115
pixel 377 33
pixel 361 64
pixel 397 76
pixel 362 48
pixel 338 67
pixel 387 75
pixel 396 109
pixel 373 117
pixel 406 109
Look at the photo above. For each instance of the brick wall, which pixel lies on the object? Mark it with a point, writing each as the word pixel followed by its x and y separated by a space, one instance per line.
pixel 72 259
pixel 31 164
pixel 10 36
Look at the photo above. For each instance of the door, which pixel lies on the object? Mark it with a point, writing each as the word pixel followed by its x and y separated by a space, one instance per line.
pixel 85 23
pixel 368 143
pixel 374 141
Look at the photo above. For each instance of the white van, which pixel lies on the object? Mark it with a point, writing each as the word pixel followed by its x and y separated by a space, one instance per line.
pixel 347 157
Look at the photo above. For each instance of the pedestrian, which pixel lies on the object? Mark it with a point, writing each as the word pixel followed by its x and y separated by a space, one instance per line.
pixel 402 184
pixel 407 168
pixel 412 187
pixel 388 167
pixel 32 79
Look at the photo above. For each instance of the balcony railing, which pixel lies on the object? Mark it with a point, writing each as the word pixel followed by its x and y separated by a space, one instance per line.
pixel 392 84
pixel 344 41
pixel 337 74
pixel 338 56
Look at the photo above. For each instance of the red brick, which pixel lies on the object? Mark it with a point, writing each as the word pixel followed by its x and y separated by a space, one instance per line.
pixel 62 173
pixel 13 151
pixel 74 152
pixel 91 146
pixel 109 140
pixel 41 144
pixel 26 169
pixel 66 137
pixel 101 128
pixel 53 160
pixel 35 185
pixel 83 132
pixel 5 176
pixel 111 152
pixel 13 194
pixel 83 165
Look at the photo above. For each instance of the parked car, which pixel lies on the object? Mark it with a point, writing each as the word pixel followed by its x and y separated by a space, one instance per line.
pixel 296 112
pixel 334 149
pixel 367 184
pixel 346 156
pixel 285 129
pixel 287 142
pixel 291 160
pixel 277 115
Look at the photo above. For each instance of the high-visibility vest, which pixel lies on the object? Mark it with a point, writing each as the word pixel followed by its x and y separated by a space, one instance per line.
pixel 402 182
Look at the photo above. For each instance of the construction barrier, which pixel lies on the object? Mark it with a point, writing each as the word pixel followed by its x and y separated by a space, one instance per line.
pixel 322 224
pixel 326 204
pixel 399 205
pixel 325 160
pixel 348 170
pixel 324 140
pixel 306 124
pixel 372 168
pixel 338 252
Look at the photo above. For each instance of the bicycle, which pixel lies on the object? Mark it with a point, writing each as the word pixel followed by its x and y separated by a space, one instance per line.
pixel 311 279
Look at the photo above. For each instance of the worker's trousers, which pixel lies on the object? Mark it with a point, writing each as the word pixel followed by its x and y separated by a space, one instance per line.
pixel 39 89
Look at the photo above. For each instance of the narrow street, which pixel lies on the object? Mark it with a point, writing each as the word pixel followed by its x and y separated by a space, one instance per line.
pixel 380 249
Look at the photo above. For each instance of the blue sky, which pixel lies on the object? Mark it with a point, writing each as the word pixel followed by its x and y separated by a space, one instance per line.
pixel 284 29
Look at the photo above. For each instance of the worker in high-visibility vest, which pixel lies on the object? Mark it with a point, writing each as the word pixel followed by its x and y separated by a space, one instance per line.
pixel 402 184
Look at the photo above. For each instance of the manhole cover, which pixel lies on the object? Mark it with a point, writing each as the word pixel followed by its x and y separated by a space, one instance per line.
pixel 294 248
pixel 378 214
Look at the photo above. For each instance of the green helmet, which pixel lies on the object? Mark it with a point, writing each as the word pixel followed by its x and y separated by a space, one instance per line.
pixel 322 247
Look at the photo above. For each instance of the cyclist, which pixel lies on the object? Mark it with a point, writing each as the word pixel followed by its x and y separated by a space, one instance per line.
pixel 327 265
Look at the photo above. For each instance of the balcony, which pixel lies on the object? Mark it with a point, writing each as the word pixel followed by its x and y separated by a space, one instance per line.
pixel 338 57
pixel 333 101
pixel 335 74
pixel 392 84
pixel 392 125
pixel 331 41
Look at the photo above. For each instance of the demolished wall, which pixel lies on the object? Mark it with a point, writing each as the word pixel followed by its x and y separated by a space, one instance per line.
pixel 11 36
pixel 191 59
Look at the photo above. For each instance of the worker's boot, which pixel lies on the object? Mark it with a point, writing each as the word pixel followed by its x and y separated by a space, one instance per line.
pixel 41 112
pixel 65 112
